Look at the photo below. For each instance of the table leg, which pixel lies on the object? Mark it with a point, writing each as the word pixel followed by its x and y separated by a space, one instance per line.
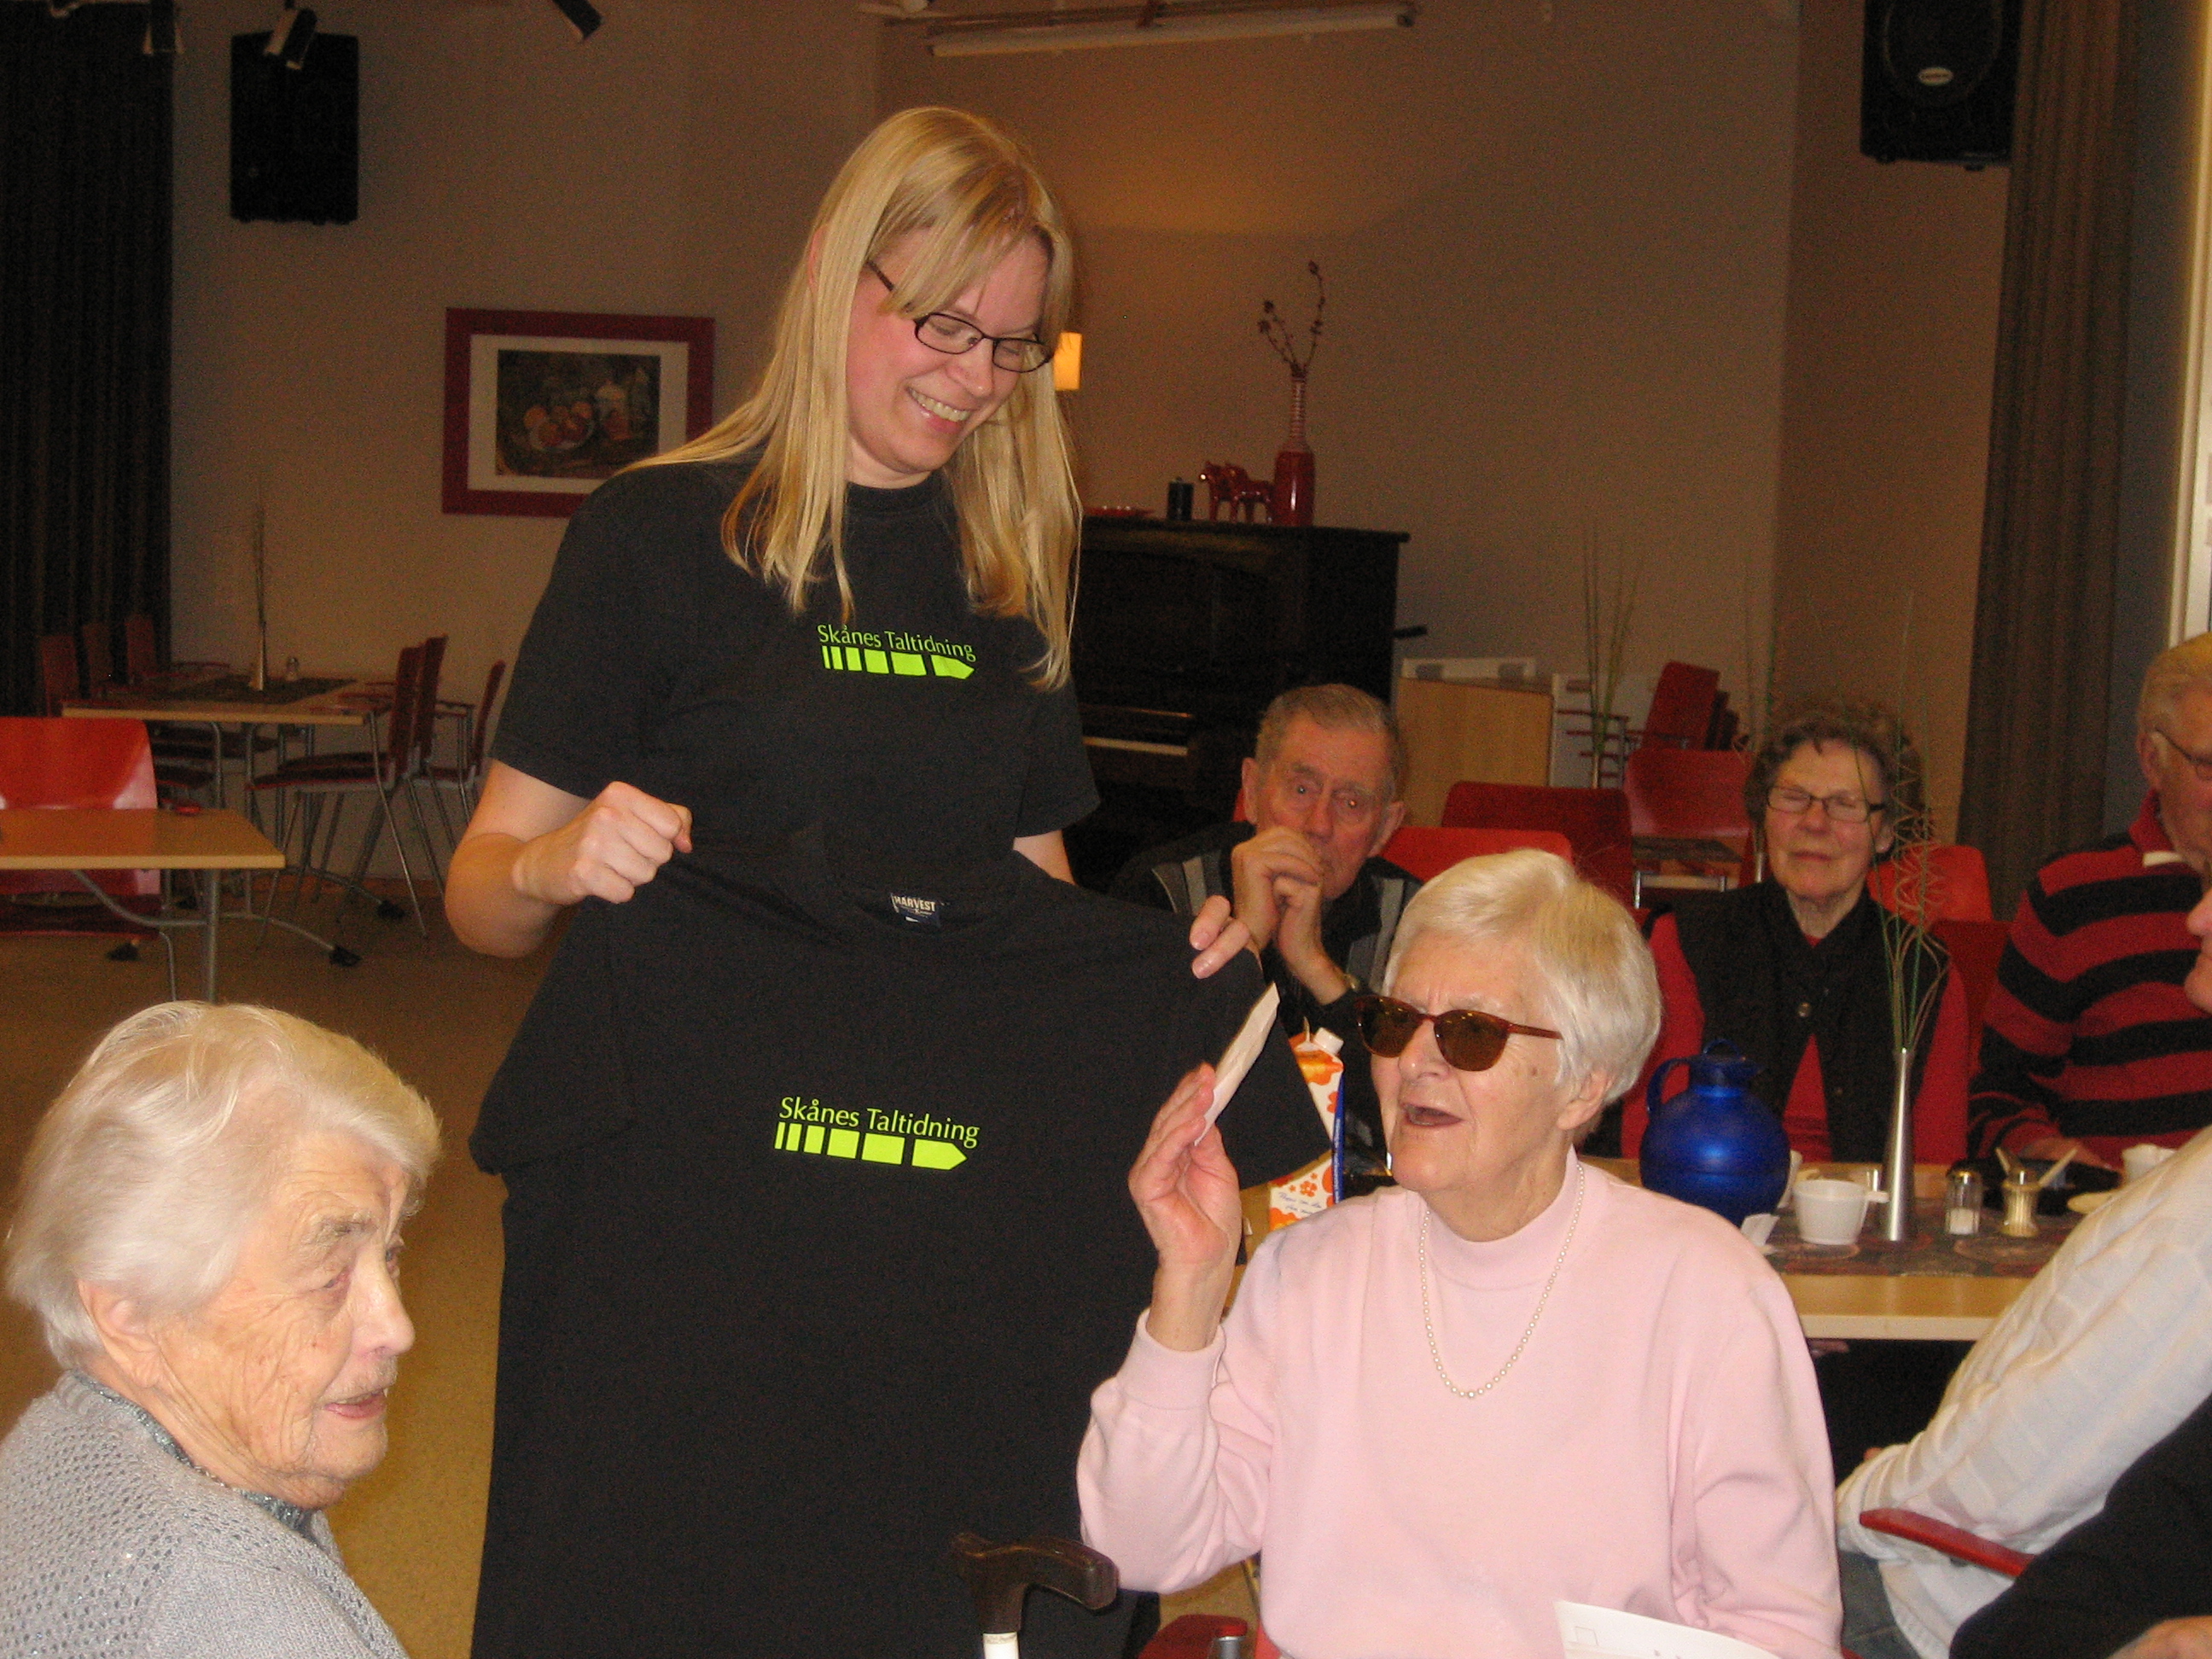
pixel 210 919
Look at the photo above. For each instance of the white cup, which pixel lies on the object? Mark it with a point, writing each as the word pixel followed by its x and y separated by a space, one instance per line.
pixel 2137 1162
pixel 1831 1211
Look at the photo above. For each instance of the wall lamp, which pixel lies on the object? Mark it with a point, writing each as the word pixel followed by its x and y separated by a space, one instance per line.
pixel 1155 24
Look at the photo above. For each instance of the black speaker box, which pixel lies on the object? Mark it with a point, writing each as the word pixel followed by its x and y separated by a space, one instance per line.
pixel 296 133
pixel 1937 80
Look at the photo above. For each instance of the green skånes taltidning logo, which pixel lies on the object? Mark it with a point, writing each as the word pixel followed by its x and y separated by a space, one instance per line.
pixel 872 1135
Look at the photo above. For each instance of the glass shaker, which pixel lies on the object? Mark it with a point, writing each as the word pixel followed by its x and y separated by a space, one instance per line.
pixel 1962 1204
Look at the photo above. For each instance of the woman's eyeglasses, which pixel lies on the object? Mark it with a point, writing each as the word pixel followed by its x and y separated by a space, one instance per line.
pixel 1468 1039
pixel 955 336
pixel 1791 801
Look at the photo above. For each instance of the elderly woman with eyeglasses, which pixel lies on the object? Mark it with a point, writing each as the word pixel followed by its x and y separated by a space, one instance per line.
pixel 1794 970
pixel 210 1220
pixel 1507 1382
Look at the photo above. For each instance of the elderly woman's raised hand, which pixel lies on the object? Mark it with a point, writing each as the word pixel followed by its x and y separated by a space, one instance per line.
pixel 1186 1190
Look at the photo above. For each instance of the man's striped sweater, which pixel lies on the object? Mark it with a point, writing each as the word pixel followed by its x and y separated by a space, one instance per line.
pixel 2087 1033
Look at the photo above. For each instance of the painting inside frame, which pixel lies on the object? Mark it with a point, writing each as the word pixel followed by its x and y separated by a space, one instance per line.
pixel 542 407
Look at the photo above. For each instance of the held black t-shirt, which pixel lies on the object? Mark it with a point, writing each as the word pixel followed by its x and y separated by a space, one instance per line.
pixel 653 659
pixel 818 1238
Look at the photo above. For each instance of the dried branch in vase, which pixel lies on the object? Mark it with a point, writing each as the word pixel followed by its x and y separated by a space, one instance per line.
pixel 1276 333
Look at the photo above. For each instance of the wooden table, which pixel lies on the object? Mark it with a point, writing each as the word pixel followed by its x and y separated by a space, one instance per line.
pixel 78 840
pixel 1859 1305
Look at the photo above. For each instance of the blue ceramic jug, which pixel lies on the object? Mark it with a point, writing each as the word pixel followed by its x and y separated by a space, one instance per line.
pixel 1715 1144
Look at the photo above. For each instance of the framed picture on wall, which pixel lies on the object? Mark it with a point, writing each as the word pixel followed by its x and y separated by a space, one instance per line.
pixel 543 406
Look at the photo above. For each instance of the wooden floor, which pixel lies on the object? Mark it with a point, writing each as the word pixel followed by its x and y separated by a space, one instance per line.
pixel 442 1017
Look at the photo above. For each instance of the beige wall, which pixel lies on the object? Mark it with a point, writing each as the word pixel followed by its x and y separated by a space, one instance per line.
pixel 668 167
pixel 1555 255
pixel 1893 277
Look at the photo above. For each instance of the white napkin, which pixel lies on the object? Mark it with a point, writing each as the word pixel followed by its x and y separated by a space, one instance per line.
pixel 1243 1049
pixel 1603 1633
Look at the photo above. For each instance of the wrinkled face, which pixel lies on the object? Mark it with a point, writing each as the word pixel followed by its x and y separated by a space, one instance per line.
pixel 277 1384
pixel 907 406
pixel 2184 799
pixel 1457 1132
pixel 1333 786
pixel 1817 857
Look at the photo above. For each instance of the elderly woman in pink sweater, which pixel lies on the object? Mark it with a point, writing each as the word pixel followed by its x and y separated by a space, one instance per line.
pixel 1508 1381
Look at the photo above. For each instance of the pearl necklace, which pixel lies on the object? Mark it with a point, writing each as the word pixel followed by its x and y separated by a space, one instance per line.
pixel 1428 1323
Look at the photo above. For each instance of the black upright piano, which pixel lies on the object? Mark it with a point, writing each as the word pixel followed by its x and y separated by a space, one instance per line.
pixel 1184 633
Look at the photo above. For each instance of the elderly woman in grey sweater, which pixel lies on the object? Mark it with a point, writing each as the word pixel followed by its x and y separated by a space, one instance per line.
pixel 209 1221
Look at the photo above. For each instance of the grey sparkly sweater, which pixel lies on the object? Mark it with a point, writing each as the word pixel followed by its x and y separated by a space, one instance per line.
pixel 110 1546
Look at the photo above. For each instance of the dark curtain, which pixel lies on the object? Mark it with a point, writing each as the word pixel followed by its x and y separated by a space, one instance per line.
pixel 2036 718
pixel 84 328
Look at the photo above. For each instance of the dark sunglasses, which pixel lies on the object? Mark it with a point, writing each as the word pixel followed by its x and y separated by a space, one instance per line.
pixel 1469 1040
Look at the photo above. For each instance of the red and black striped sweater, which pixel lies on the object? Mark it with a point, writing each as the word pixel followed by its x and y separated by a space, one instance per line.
pixel 2087 1033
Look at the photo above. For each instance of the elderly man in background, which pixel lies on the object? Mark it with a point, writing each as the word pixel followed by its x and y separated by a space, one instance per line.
pixel 2089 1044
pixel 210 1222
pixel 1320 794
pixel 2104 1362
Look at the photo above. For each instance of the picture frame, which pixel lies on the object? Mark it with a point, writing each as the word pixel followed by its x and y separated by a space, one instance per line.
pixel 543 406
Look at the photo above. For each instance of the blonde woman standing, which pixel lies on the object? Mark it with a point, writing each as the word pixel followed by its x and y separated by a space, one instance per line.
pixel 827 1093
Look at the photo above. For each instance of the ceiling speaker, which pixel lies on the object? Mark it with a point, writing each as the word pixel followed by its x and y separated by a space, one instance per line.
pixel 295 131
pixel 1936 81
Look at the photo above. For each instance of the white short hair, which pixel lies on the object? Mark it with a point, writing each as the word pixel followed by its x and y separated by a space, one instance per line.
pixel 149 1171
pixel 1592 977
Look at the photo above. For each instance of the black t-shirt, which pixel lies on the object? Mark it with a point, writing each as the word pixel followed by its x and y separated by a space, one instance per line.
pixel 655 661
pixel 818 1238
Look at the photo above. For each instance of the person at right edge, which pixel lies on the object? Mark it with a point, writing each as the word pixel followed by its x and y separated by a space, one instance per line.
pixel 2088 1043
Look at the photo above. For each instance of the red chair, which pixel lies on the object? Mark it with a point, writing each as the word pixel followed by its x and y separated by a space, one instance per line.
pixel 1681 713
pixel 84 764
pixel 142 659
pixel 1956 887
pixel 1593 821
pixel 465 776
pixel 1975 948
pixel 1954 1541
pixel 1691 792
pixel 58 676
pixel 1428 853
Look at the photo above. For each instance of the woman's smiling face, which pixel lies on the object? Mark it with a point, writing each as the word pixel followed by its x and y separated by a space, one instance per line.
pixel 908 407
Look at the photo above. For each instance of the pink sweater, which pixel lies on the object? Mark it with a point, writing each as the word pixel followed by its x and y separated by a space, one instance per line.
pixel 1658 1447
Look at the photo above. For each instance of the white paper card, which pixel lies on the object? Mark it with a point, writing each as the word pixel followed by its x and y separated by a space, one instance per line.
pixel 1243 1049
pixel 1605 1633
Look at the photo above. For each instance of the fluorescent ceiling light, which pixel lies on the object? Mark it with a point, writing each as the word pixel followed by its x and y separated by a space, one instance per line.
pixel 1126 26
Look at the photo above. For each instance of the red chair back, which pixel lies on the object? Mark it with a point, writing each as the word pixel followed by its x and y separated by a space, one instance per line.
pixel 1428 853
pixel 1681 706
pixel 1956 886
pixel 404 715
pixel 142 658
pixel 482 724
pixel 75 764
pixel 426 697
pixel 58 676
pixel 1687 792
pixel 1975 948
pixel 98 655
pixel 1593 821
pixel 1954 1541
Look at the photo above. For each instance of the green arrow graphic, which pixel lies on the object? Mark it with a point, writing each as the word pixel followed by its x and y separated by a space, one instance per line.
pixel 937 1154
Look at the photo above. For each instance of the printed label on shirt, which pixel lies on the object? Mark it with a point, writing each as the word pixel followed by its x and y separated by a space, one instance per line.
pixel 916 1140
pixel 918 912
pixel 893 651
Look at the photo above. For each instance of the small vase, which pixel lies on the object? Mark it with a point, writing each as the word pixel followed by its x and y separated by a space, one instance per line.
pixel 1294 465
pixel 1897 1156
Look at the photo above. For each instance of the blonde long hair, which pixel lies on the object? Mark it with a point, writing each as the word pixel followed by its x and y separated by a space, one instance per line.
pixel 968 189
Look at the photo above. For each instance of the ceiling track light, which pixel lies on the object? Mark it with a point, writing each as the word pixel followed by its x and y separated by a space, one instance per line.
pixel 583 17
pixel 294 32
pixel 1154 23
